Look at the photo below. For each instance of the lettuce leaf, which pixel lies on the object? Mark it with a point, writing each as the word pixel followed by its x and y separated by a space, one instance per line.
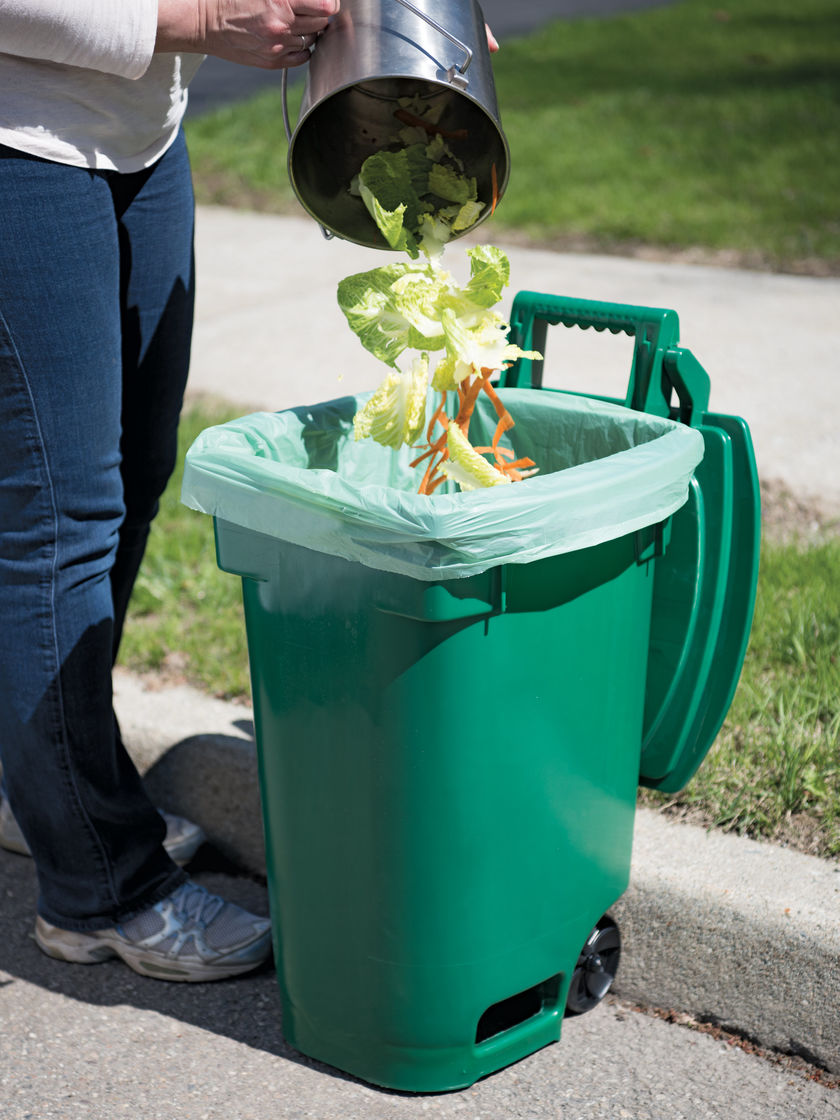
pixel 391 223
pixel 451 185
pixel 394 307
pixel 473 349
pixel 489 275
pixel 396 413
pixel 392 185
pixel 401 189
pixel 368 303
pixel 465 466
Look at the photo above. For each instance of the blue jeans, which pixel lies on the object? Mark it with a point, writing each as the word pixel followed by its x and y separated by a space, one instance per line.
pixel 96 303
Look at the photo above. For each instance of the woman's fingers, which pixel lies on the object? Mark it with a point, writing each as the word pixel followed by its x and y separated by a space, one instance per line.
pixel 263 33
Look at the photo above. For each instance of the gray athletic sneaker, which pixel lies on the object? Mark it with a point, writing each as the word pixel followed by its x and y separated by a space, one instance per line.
pixel 191 935
pixel 182 841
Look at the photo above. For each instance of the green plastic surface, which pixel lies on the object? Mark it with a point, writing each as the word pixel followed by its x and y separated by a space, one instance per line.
pixel 705 582
pixel 732 630
pixel 448 776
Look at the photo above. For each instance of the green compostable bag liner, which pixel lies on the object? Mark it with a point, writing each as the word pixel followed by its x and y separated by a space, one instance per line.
pixel 301 476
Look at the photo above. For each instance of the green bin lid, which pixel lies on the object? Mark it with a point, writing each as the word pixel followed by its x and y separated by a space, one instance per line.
pixel 704 593
pixel 705 581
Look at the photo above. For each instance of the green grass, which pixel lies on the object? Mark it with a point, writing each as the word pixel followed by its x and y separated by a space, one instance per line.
pixel 238 154
pixel 774 771
pixel 697 124
pixel 185 617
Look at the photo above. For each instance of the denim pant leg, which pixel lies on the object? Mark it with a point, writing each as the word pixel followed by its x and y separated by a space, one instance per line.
pixel 157 284
pixel 76 323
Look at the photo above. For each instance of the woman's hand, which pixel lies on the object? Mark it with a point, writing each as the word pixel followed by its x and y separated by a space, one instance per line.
pixel 269 34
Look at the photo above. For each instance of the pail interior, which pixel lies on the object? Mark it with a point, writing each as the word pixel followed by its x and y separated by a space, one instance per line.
pixel 335 138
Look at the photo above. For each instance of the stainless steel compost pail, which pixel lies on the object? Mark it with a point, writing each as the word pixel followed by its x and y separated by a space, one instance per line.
pixel 374 54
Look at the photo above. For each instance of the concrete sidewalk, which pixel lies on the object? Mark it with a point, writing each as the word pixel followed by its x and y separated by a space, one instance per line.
pixel 741 933
pixel 270 334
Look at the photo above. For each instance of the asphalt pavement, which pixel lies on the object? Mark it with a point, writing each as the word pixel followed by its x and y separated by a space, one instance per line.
pixel 99 1043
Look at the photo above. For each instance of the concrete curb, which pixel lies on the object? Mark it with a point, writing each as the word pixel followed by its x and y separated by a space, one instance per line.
pixel 742 934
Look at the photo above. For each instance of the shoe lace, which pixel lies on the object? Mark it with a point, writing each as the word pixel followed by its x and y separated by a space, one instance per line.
pixel 194 903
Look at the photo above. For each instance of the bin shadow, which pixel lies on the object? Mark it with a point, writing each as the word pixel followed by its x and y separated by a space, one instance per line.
pixel 244 1009
pixel 324 429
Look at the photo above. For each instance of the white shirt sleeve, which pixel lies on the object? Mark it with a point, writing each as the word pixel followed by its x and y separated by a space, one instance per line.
pixel 112 36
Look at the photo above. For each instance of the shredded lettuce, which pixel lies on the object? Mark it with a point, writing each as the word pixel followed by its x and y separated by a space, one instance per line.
pixel 415 304
pixel 424 180
pixel 396 413
pixel 419 197
pixel 465 466
pixel 474 349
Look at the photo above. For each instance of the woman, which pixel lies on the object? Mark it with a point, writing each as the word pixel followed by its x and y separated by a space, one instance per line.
pixel 96 304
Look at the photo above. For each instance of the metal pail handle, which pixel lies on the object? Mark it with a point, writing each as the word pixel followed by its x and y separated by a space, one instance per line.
pixel 456 77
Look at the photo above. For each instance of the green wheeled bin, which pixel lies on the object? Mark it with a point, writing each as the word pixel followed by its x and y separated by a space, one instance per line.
pixel 455 698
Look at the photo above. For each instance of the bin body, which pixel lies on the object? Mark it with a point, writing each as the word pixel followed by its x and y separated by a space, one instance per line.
pixel 456 698
pixel 448 772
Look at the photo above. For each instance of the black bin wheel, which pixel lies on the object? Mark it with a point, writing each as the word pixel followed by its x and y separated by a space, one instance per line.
pixel 596 968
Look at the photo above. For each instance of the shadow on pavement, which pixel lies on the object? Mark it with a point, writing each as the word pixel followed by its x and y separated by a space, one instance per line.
pixel 245 1009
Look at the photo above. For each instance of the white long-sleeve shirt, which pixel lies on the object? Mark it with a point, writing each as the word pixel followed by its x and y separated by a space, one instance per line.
pixel 80 82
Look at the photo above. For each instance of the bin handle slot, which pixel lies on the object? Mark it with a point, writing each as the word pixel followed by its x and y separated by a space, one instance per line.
pixel 661 368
